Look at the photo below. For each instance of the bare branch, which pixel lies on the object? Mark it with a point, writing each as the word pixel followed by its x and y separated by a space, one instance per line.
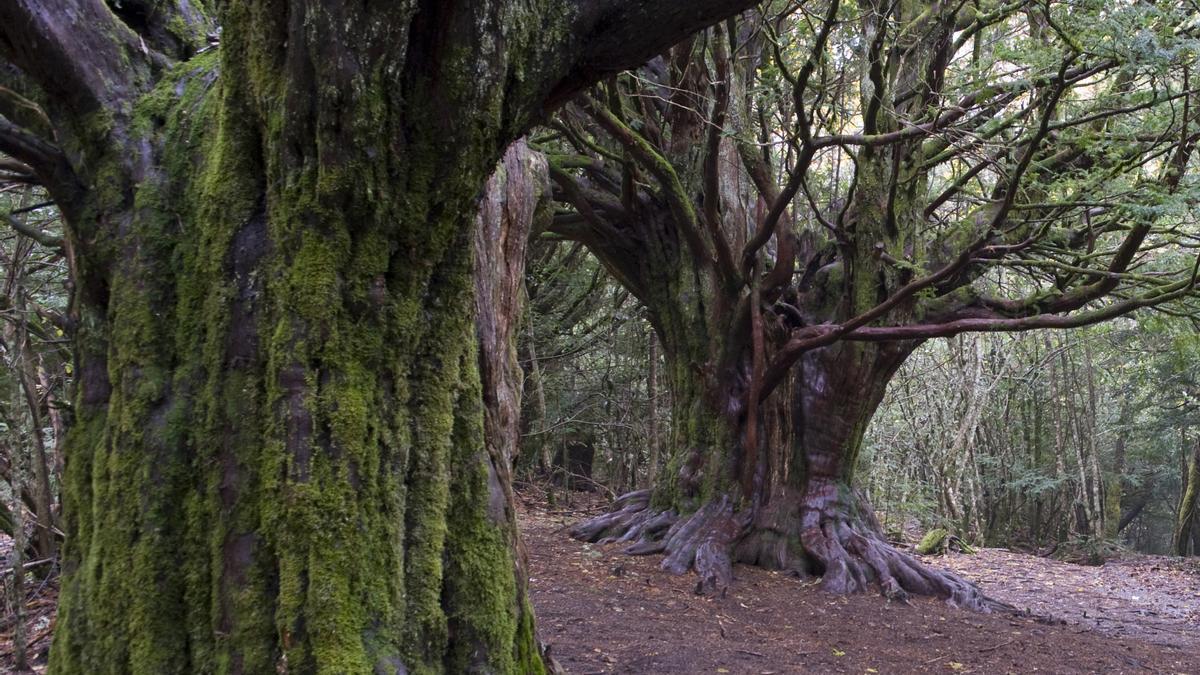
pixel 43 238
pixel 46 160
pixel 660 168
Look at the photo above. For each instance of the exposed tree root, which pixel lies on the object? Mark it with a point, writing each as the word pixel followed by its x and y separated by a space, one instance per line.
pixel 811 536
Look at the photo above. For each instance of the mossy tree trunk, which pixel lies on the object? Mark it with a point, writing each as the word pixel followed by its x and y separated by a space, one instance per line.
pixel 277 461
pixel 1189 506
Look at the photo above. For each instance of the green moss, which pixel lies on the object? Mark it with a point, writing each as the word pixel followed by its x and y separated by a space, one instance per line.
pixel 290 474
pixel 934 541
pixel 1189 504
pixel 480 583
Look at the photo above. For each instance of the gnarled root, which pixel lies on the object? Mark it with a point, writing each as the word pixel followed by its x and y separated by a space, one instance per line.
pixel 851 560
pixel 841 536
pixel 790 534
pixel 703 540
pixel 629 519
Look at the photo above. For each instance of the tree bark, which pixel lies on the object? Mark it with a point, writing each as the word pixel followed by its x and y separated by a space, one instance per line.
pixel 799 511
pixel 1114 489
pixel 515 196
pixel 1189 504
pixel 652 439
pixel 16 589
pixel 278 460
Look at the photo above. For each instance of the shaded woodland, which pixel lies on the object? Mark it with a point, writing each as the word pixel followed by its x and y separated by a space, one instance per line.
pixel 303 306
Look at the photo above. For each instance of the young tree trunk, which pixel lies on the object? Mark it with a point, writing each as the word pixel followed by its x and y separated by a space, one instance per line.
pixel 537 441
pixel 1114 489
pixel 43 497
pixel 1195 537
pixel 1189 504
pixel 16 589
pixel 652 403
pixel 1099 510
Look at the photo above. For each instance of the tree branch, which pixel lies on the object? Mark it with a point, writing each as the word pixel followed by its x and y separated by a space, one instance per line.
pixel 712 164
pixel 44 238
pixel 77 52
pixel 815 337
pixel 46 160
pixel 656 164
pixel 609 36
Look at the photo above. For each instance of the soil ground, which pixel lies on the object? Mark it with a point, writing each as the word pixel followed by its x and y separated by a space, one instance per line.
pixel 601 611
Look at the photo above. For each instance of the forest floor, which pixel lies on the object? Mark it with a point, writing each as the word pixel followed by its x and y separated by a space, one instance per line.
pixel 605 612
pixel 41 601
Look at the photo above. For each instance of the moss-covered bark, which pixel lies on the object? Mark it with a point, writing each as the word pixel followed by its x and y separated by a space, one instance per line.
pixel 1189 506
pixel 282 467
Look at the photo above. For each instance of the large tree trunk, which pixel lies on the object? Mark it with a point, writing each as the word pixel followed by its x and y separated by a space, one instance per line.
pixel 795 250
pixel 766 482
pixel 795 508
pixel 279 462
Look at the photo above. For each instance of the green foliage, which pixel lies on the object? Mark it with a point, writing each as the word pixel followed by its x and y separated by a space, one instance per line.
pixel 1013 476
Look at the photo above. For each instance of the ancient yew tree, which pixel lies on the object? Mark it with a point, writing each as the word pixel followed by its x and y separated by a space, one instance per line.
pixel 800 198
pixel 276 462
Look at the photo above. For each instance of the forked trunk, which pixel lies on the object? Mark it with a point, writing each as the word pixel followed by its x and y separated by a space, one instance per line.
pixel 796 507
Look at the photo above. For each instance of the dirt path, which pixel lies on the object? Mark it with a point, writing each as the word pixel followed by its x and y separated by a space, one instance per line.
pixel 604 612
pixel 1151 598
